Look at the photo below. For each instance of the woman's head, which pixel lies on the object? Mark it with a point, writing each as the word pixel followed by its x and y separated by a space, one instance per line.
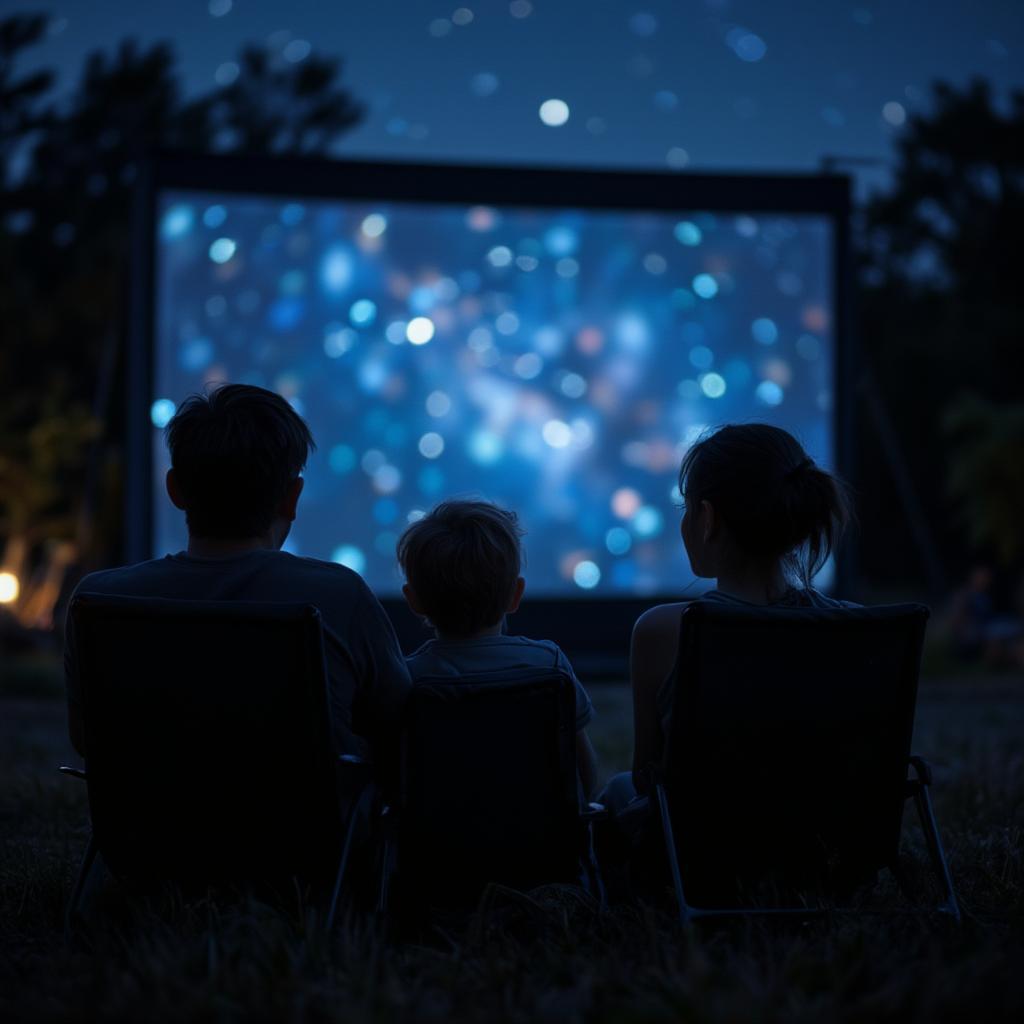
pixel 755 497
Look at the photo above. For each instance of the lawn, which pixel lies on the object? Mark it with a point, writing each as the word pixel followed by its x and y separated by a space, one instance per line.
pixel 551 956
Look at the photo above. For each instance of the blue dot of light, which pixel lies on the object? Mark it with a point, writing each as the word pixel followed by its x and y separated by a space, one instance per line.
pixel 701 357
pixel 485 447
pixel 484 84
pixel 431 480
pixel 292 214
pixel 713 385
pixel 350 556
pixel 286 313
pixel 560 240
pixel 764 331
pixel 160 412
pixel 647 521
pixel 586 575
pixel 342 458
pixel 422 299
pixel 769 392
pixel 336 269
pixel 666 99
pixel 362 312
pixel 643 23
pixel 214 216
pixel 705 286
pixel 618 541
pixel 222 249
pixel 385 511
pixel 746 45
pixel 687 233
pixel 682 298
pixel 196 354
pixel 177 221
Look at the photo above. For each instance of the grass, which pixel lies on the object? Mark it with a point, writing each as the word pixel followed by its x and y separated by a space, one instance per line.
pixel 549 956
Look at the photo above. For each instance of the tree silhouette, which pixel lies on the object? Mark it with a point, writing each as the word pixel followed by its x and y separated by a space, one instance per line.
pixel 941 308
pixel 986 475
pixel 65 202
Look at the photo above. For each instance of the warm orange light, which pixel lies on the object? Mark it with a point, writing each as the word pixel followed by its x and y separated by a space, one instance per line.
pixel 8 587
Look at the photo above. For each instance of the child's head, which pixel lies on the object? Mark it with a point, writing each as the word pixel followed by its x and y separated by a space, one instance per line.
pixel 461 562
pixel 755 498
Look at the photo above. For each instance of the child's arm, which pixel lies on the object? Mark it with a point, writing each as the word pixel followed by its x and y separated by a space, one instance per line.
pixel 586 759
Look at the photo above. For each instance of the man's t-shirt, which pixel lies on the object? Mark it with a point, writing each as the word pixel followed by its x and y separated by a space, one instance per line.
pixel 457 658
pixel 367 677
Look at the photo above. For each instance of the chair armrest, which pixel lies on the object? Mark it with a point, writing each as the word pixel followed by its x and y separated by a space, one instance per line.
pixel 78 773
pixel 922 776
pixel 594 812
pixel 354 771
pixel 922 768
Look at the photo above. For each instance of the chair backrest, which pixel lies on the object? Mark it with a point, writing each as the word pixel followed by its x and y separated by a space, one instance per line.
pixel 787 751
pixel 489 784
pixel 207 740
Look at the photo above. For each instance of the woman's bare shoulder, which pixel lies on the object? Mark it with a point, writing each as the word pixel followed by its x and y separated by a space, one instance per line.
pixel 660 620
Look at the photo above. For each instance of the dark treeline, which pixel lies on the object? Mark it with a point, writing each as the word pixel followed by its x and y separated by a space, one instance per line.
pixel 939 472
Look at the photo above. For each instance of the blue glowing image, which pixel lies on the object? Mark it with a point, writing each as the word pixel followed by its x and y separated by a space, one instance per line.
pixel 559 362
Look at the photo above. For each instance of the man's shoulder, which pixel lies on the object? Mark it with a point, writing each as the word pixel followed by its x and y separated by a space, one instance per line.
pixel 122 579
pixel 315 568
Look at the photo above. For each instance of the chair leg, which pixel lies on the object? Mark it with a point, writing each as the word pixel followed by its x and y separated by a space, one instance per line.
pixel 923 801
pixel 88 858
pixel 365 799
pixel 673 856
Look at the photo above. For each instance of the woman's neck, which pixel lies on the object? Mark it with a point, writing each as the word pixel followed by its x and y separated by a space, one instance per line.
pixel 756 585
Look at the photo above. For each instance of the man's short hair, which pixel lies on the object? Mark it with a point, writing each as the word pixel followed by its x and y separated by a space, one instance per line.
pixel 462 559
pixel 235 451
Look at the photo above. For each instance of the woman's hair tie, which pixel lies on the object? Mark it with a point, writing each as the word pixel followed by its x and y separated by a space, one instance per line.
pixel 796 471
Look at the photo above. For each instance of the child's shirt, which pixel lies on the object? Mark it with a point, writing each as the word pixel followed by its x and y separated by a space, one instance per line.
pixel 458 658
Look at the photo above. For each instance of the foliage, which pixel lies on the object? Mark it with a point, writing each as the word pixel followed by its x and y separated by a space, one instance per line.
pixel 65 203
pixel 941 310
pixel 986 474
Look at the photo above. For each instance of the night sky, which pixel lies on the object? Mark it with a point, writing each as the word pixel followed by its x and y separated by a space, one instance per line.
pixel 700 84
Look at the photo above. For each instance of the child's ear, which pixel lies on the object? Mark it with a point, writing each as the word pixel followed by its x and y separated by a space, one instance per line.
pixel 412 600
pixel 517 596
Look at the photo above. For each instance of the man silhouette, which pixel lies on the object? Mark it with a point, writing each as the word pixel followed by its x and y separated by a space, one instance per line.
pixel 236 457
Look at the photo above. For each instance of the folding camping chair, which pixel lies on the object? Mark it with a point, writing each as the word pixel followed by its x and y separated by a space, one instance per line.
pixel 208 752
pixel 489 792
pixel 786 761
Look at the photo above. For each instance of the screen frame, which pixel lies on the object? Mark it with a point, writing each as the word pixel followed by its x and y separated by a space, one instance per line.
pixel 593 630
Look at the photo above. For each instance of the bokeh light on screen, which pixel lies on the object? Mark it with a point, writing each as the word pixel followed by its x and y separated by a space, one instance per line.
pixel 559 362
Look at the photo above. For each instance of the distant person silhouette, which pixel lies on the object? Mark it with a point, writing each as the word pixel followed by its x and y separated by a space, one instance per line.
pixel 979 631
pixel 761 519
pixel 237 453
pixel 461 563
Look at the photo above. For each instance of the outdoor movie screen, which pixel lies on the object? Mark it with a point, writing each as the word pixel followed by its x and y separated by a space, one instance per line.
pixel 556 361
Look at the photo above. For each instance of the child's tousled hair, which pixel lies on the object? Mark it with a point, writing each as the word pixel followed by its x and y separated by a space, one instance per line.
pixel 776 502
pixel 462 559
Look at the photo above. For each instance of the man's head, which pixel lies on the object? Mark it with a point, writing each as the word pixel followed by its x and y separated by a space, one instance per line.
pixel 236 455
pixel 461 561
